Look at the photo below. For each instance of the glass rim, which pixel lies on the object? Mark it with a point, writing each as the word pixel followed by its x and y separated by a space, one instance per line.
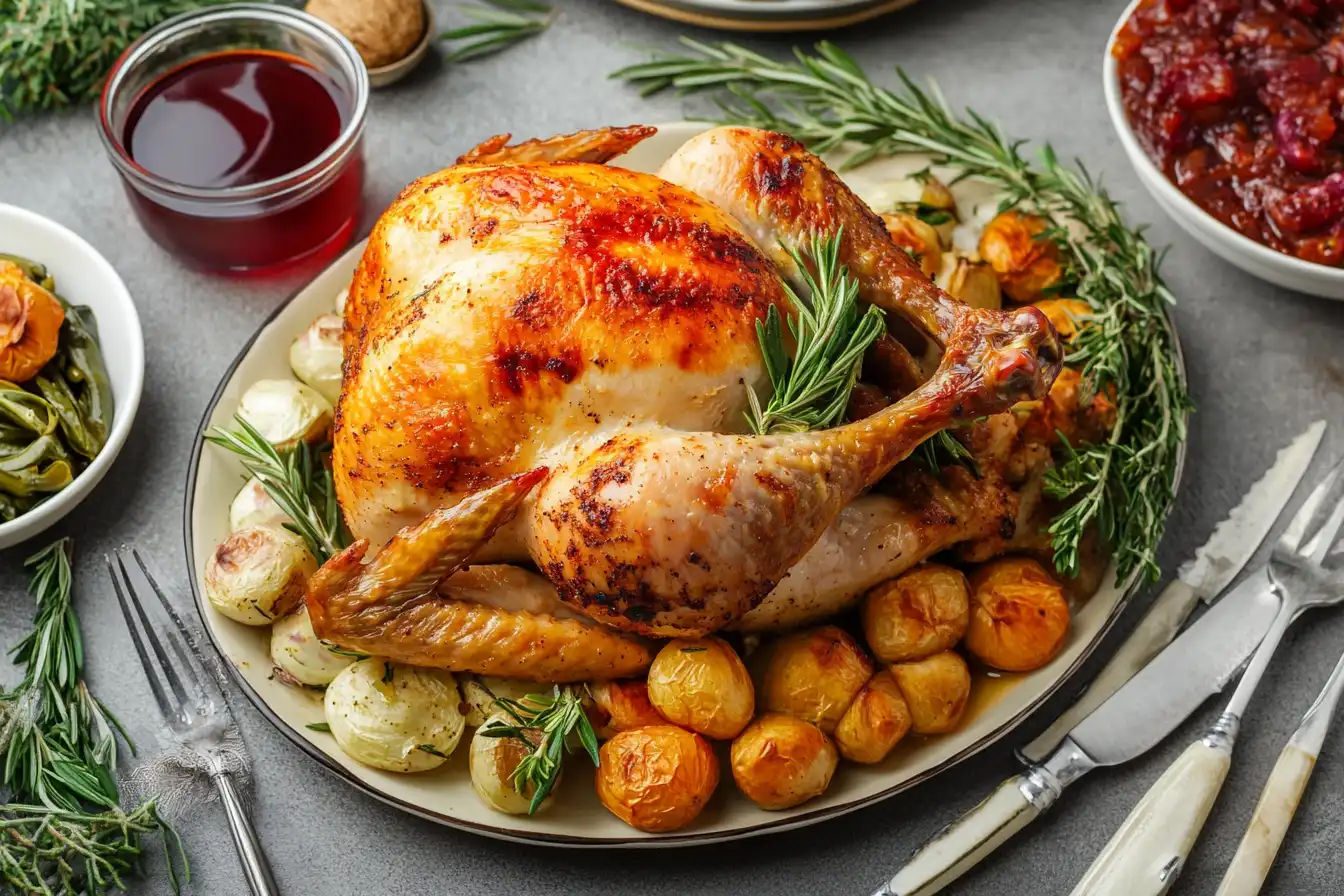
pixel 284 17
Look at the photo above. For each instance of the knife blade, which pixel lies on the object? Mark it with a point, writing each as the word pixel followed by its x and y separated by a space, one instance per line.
pixel 1194 667
pixel 1202 578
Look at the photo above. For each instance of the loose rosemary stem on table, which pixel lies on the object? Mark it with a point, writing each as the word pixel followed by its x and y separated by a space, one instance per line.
pixel 1124 484
pixel 61 828
pixel 496 25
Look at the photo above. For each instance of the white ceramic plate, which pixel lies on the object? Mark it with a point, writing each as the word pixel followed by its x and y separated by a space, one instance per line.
pixel 83 277
pixel 1229 244
pixel 577 819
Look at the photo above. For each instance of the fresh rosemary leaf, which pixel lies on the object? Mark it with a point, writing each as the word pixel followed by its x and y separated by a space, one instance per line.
pixel 943 448
pixel 830 334
pixel 498 24
pixel 1124 484
pixel 297 480
pixel 318 726
pixel 544 724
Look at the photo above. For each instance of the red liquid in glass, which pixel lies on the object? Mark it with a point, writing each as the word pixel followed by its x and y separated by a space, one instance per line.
pixel 235 119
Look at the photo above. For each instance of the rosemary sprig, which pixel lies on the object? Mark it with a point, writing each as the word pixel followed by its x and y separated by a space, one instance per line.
pixel 830 334
pixel 544 725
pixel 942 449
pixel 297 480
pixel 1124 484
pixel 61 829
pixel 496 25
pixel 57 53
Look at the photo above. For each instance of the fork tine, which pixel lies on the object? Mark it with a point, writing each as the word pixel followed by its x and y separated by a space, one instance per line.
pixel 156 645
pixel 183 641
pixel 1291 539
pixel 160 695
pixel 1320 544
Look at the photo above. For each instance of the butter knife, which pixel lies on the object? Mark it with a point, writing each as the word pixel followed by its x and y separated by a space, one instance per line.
pixel 1073 746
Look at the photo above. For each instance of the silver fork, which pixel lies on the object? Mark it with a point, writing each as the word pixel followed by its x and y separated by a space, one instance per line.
pixel 1146 854
pixel 189 695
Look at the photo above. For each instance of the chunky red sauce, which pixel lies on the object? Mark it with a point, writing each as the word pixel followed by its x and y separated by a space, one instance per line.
pixel 1239 103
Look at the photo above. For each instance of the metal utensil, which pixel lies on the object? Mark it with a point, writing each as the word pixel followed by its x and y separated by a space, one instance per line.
pixel 189 695
pixel 1283 791
pixel 1146 854
pixel 1242 616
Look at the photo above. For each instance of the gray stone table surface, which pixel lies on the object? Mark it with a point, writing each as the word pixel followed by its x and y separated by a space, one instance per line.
pixel 1263 363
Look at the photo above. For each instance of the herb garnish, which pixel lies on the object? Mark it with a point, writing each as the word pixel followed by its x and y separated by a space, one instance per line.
pixel 318 726
pixel 61 828
pixel 544 724
pixel 298 480
pixel 830 334
pixel 1124 484
pixel 496 25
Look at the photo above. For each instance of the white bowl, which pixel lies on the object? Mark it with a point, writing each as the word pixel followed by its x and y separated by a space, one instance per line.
pixel 83 277
pixel 1252 257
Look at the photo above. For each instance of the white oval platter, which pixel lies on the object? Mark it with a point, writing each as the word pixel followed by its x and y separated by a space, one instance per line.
pixel 577 819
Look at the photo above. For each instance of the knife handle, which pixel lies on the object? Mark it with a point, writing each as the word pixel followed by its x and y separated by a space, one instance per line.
pixel 1146 854
pixel 1273 814
pixel 961 845
pixel 1154 632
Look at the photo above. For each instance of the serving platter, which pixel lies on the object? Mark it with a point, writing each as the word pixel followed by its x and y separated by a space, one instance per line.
pixel 445 795
pixel 768 15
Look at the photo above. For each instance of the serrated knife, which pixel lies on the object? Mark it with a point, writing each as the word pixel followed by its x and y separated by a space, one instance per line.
pixel 1198 665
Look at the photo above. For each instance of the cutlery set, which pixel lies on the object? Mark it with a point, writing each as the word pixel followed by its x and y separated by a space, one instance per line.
pixel 1154 683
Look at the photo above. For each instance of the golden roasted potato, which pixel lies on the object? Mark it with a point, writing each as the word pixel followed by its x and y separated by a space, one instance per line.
pixel 1019 615
pixel 936 689
pixel 621 706
pixel 917 238
pixel 814 675
pixel 1068 316
pixel 702 685
pixel 657 778
pixel 917 614
pixel 1027 264
pixel 781 761
pixel 875 722
pixel 968 281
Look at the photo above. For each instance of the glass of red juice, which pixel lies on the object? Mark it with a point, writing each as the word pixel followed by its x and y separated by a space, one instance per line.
pixel 237 131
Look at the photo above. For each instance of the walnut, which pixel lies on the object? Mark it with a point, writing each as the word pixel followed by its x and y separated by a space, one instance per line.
pixel 383 31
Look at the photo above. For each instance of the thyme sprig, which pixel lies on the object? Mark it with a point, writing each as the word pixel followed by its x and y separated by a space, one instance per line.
pixel 547 726
pixel 496 25
pixel 1124 483
pixel 830 333
pixel 61 828
pixel 298 480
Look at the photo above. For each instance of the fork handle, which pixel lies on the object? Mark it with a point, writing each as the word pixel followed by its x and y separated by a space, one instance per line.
pixel 250 854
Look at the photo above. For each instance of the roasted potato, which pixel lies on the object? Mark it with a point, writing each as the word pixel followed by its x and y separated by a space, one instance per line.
pixel 875 722
pixel 936 689
pixel 1019 615
pixel 657 778
pixel 492 761
pixel 395 717
pixel 258 574
pixel 702 685
pixel 1068 316
pixel 781 761
pixel 917 238
pixel 814 675
pixel 254 507
pixel 300 654
pixel 917 614
pixel 620 706
pixel 286 412
pixel 480 694
pixel 968 281
pixel 1028 264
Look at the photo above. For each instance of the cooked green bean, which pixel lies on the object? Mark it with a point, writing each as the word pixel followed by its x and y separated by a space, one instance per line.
pixel 57 393
pixel 46 449
pixel 11 507
pixel 84 365
pixel 33 481
pixel 32 270
pixel 33 412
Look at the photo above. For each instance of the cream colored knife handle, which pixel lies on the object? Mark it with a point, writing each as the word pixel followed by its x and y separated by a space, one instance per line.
pixel 1154 632
pixel 967 840
pixel 1146 854
pixel 1269 823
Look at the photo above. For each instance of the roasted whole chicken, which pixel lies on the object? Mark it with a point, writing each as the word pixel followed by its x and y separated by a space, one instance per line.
pixel 547 362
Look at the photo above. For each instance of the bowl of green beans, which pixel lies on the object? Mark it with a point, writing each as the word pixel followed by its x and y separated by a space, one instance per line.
pixel 72 367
